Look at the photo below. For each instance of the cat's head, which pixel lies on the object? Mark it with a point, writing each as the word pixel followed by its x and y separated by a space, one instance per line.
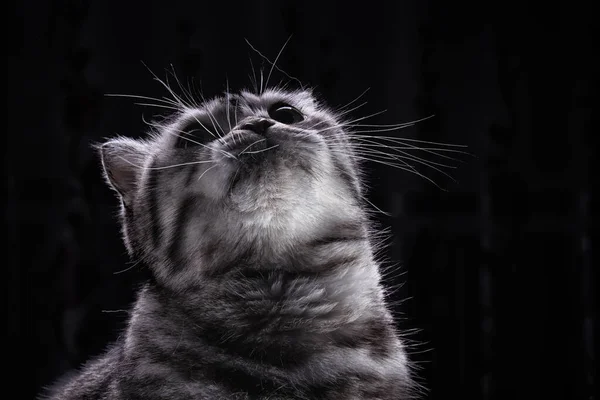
pixel 240 174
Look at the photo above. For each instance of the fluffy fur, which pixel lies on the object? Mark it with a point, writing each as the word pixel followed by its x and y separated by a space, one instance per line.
pixel 265 283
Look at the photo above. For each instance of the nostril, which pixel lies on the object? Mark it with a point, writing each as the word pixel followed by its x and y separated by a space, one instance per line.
pixel 259 126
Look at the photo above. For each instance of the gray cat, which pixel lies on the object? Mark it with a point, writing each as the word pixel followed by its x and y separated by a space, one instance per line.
pixel 248 210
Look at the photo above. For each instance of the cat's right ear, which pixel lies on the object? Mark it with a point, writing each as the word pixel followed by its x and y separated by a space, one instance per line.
pixel 123 161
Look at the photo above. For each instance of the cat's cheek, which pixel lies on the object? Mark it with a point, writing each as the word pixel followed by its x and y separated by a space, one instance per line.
pixel 213 181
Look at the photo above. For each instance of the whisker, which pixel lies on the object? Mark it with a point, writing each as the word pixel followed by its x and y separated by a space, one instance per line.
pixel 182 133
pixel 401 140
pixel 407 146
pixel 158 106
pixel 197 91
pixel 213 120
pixel 166 86
pixel 250 145
pixel 215 123
pixel 168 166
pixel 400 125
pixel 228 105
pixel 184 98
pixel 217 136
pixel 404 167
pixel 404 156
pixel 376 153
pixel 191 92
pixel 236 111
pixel 343 125
pixel 363 142
pixel 132 96
pixel 260 151
pixel 255 83
pixel 353 101
pixel 276 59
pixel 387 214
pixel 128 268
pixel 273 64
pixel 151 124
pixel 261 80
pixel 352 109
pixel 208 169
pixel 187 96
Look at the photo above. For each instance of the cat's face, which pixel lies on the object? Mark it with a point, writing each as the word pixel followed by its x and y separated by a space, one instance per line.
pixel 251 174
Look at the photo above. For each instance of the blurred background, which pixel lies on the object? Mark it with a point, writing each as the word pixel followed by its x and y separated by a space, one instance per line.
pixel 496 271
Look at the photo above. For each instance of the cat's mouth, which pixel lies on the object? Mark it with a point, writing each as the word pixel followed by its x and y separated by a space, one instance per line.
pixel 243 142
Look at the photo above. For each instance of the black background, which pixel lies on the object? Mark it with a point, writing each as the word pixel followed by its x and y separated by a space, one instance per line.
pixel 498 271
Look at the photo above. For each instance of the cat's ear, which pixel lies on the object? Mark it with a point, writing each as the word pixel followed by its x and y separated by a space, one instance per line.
pixel 123 160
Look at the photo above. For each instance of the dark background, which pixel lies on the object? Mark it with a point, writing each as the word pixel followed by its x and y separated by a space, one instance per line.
pixel 498 271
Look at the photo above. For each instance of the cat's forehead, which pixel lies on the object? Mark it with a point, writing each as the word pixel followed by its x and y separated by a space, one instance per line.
pixel 300 99
pixel 272 96
pixel 230 108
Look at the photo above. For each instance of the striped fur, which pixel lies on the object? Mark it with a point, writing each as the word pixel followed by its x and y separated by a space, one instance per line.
pixel 265 284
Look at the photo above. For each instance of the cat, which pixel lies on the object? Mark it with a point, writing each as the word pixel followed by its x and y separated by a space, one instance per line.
pixel 249 211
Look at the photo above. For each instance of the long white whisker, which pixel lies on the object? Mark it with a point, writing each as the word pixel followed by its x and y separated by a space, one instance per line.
pixel 190 86
pixel 352 124
pixel 250 145
pixel 352 109
pixel 403 155
pixel 377 153
pixel 132 96
pixel 228 104
pixel 182 133
pixel 152 124
pixel 168 166
pixel 353 101
pixel 166 86
pixel 261 80
pixel 207 169
pixel 402 140
pixel 343 125
pixel 182 99
pixel 407 146
pixel 363 142
pixel 375 207
pixel 186 95
pixel 400 125
pixel 235 111
pixel 215 123
pixel 128 268
pixel 276 59
pixel 273 64
pixel 213 120
pixel 405 167
pixel 197 91
pixel 217 136
pixel 255 83
pixel 158 106
pixel 260 151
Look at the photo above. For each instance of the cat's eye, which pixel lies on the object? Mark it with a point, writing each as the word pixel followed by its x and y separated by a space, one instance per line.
pixel 285 114
pixel 195 133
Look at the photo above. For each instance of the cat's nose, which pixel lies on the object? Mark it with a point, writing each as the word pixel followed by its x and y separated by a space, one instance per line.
pixel 259 126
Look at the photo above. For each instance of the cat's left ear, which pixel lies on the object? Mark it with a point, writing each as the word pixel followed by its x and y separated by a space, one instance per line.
pixel 123 161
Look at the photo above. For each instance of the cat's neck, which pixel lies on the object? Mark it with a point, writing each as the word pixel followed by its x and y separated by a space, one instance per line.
pixel 267 310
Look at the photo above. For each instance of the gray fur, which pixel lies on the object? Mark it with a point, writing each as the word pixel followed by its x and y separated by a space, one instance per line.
pixel 265 283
